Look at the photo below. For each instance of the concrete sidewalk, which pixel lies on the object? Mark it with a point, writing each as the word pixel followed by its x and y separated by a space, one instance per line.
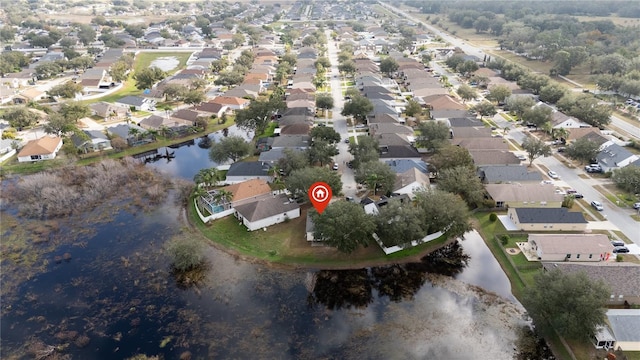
pixel 602 225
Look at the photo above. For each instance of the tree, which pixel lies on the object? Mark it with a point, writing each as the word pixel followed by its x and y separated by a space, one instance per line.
pixel 533 82
pixel 186 252
pixel 519 104
pixel 59 125
pixel 583 149
pixel 499 93
pixel 20 117
pixel 467 67
pixel 466 92
pixel 229 148
pixel 74 110
pixel 325 133
pixel 537 116
pixel 388 65
pixel 570 303
pixel 258 114
pixel 174 92
pixel 137 31
pixel 377 175
pixel 413 108
pixel 119 71
pixel 299 181
pixel 219 65
pixel 324 62
pixel 86 34
pixel 364 151
pixel 551 93
pixel 485 108
pixel 321 151
pixel 348 67
pixel 227 78
pixel 67 90
pixel 208 177
pixel 7 33
pixel 293 160
pixel 627 178
pixel 443 211
pixel 237 39
pixel 535 148
pixel 433 134
pixel 324 101
pixel 463 181
pixel 399 224
pixel 147 77
pixel 47 70
pixel 193 97
pixel 450 156
pixel 562 61
pixel 358 107
pixel 343 225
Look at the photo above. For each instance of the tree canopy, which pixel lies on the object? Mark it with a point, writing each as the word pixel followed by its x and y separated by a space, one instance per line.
pixel 388 65
pixel 376 175
pixel 398 223
pixel 299 181
pixel 443 211
pixel 229 148
pixel 66 90
pixel 325 133
pixel 627 178
pixel 145 78
pixel 20 117
pixel 344 225
pixel 450 156
pixel 358 107
pixel 572 304
pixel 74 110
pixel 258 114
pixel 364 151
pixel 535 148
pixel 433 134
pixel 583 149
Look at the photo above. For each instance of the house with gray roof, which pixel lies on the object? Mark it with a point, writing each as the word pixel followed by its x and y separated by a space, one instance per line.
pixel 399 166
pixel 547 219
pixel 95 141
pixel 496 174
pixel 615 157
pixel 291 141
pixel 247 170
pixel 274 155
pixel 137 102
pixel 625 324
pixel 266 212
pixel 623 278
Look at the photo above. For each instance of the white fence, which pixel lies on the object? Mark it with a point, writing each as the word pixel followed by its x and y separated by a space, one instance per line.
pixel 9 154
pixel 394 249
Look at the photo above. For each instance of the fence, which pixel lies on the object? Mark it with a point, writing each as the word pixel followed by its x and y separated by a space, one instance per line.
pixel 394 249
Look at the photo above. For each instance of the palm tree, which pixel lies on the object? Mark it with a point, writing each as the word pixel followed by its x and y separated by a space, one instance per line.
pixel 547 127
pixel 208 177
pixel 372 182
pixel 134 132
pixel 560 133
pixel 223 197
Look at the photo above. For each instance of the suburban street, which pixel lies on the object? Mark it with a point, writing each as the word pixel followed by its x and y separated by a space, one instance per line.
pixel 349 186
pixel 617 218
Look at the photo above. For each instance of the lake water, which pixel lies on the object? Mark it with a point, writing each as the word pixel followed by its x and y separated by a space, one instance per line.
pixel 113 297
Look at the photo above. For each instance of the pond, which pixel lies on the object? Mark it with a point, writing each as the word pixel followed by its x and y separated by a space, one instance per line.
pixel 166 63
pixel 109 294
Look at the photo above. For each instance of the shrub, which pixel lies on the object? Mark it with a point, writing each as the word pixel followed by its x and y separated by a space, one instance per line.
pixel 493 217
pixel 619 258
pixel 187 253
pixel 504 239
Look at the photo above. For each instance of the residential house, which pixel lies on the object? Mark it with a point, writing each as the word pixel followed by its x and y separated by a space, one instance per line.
pixel 45 148
pixel 448 114
pixel 409 182
pixel 443 102
pixel 96 141
pixel 248 191
pixel 29 95
pixel 400 166
pixel 211 109
pixel 291 141
pixel 129 132
pixel 95 80
pixel 185 117
pixel 518 195
pixel 493 157
pixel 571 247
pixel 137 103
pixel 623 278
pixel 234 103
pixel 274 155
pixel 247 170
pixel 107 110
pixel 295 129
pixel 396 146
pixel 615 157
pixel 625 324
pixel 496 174
pixel 155 122
pixel 266 212
pixel 547 219
pixel 481 143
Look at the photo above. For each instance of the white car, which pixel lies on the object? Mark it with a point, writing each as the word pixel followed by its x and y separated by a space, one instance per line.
pixel 521 157
pixel 335 166
pixel 552 174
pixel 597 205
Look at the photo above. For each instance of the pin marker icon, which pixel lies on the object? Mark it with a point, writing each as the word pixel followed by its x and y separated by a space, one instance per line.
pixel 320 195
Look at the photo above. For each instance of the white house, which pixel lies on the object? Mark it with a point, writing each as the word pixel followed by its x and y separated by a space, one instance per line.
pixel 266 212
pixel 410 181
pixel 45 148
pixel 571 247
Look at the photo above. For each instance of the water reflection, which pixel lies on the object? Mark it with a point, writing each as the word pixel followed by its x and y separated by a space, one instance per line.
pixel 188 159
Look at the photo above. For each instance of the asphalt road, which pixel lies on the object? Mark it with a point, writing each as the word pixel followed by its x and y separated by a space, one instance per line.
pixel 349 185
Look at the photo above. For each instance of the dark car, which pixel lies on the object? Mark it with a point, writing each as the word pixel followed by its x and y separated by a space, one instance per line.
pixel 617 243
pixel 620 249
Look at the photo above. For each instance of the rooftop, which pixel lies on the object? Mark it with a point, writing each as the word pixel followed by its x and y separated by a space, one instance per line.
pixel 571 243
pixel 267 207
pixel 549 216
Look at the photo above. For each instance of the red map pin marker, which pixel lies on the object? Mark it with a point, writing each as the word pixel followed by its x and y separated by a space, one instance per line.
pixel 320 195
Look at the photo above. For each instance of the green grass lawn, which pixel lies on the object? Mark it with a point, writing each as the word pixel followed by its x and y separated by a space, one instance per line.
pixel 269 131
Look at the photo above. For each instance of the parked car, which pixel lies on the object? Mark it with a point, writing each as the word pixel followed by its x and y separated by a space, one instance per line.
pixel 552 174
pixel 521 157
pixel 620 249
pixel 335 166
pixel 617 243
pixel 346 141
pixel 597 205
pixel 636 205
pixel 349 198
pixel 575 194
pixel 593 168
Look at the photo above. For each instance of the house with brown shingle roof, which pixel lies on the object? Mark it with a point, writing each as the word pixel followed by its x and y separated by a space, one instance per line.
pixel 235 103
pixel 571 247
pixel 410 181
pixel 524 195
pixel 45 148
pixel 185 116
pixel 481 143
pixel 493 157
pixel 211 108
pixel 443 102
pixel 248 191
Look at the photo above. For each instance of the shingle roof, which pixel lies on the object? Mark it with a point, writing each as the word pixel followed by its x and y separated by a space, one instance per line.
pixel 508 173
pixel 493 157
pixel 131 100
pixel 549 216
pixel 570 243
pixel 523 192
pixel 248 189
pixel 249 168
pixel 402 165
pixel 43 146
pixel 625 323
pixel 265 208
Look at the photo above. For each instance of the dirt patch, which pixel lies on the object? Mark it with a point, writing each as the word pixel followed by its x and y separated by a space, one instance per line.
pixel 513 251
